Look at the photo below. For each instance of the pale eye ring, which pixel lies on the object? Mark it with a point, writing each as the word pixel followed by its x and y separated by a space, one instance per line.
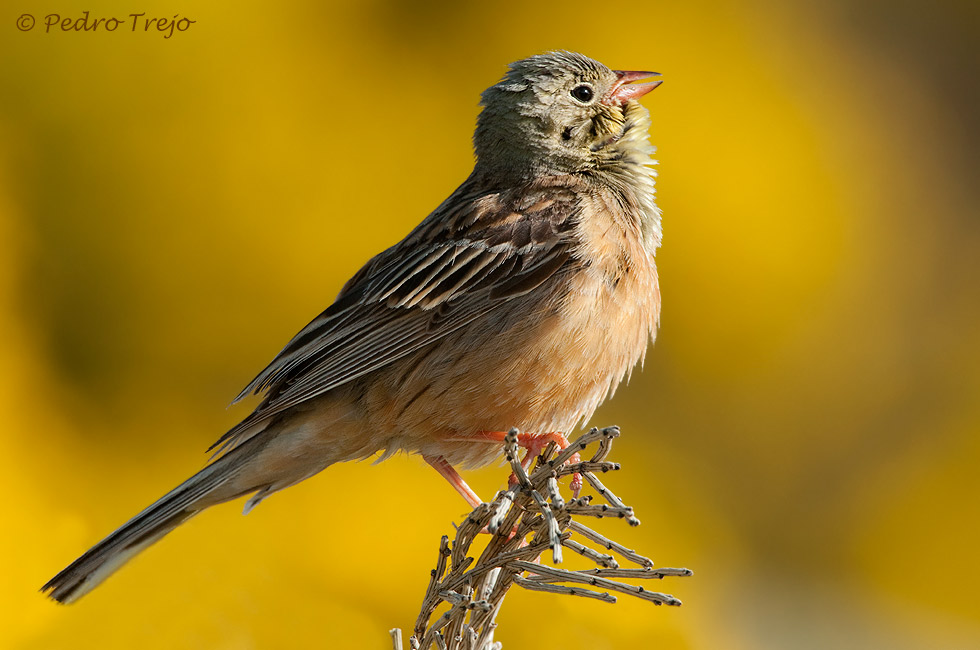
pixel 583 93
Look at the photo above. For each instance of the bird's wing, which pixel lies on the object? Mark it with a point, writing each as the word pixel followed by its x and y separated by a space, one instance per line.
pixel 465 260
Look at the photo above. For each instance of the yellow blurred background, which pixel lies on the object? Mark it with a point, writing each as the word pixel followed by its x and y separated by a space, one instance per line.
pixel 804 434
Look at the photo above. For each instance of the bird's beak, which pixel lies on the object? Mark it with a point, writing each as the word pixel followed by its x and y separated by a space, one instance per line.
pixel 625 90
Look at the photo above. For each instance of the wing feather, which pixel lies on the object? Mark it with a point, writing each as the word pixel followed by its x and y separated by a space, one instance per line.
pixel 456 267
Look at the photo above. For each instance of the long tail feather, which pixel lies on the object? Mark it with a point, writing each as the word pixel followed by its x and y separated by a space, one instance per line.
pixel 200 491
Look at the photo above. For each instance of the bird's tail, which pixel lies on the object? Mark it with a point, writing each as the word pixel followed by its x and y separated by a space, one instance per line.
pixel 213 484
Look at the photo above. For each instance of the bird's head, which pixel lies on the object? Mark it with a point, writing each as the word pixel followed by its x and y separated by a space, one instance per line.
pixel 558 112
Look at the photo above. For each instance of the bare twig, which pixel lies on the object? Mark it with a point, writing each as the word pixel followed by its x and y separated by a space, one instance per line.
pixel 627 553
pixel 561 589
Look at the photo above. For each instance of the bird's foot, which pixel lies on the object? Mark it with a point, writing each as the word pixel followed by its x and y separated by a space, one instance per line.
pixel 535 443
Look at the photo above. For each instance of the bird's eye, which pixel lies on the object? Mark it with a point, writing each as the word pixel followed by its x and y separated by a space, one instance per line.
pixel 583 93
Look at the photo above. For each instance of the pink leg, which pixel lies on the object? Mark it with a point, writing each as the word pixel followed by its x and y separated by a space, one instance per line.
pixel 446 470
pixel 441 465
pixel 535 444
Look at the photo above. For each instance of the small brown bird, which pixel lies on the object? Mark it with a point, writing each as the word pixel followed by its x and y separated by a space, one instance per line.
pixel 522 301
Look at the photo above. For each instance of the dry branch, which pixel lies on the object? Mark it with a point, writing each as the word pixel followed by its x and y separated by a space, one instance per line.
pixel 525 521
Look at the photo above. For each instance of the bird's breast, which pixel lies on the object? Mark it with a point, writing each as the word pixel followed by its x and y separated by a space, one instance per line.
pixel 543 363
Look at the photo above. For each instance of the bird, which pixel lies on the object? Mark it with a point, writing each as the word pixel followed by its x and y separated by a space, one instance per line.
pixel 522 301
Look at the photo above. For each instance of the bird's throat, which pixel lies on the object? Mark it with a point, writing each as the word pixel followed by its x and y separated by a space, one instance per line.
pixel 627 163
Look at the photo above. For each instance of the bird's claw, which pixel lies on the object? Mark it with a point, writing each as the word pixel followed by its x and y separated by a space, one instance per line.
pixel 535 443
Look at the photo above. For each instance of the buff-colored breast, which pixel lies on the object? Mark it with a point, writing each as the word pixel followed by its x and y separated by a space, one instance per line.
pixel 541 363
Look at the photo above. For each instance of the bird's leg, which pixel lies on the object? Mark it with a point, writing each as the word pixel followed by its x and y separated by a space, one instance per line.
pixel 447 471
pixel 534 443
pixel 441 465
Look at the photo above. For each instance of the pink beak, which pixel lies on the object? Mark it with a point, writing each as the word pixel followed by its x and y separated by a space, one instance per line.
pixel 625 90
